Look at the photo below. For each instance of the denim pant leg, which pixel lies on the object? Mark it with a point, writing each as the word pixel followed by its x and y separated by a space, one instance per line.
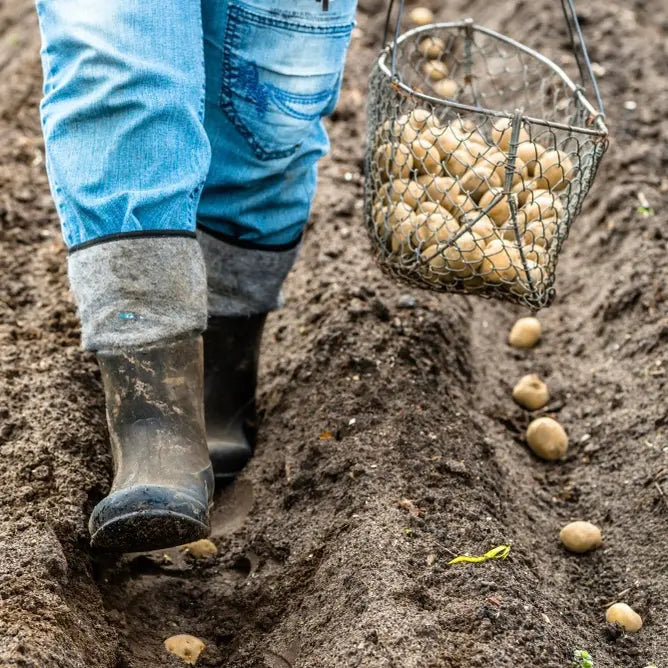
pixel 273 70
pixel 127 155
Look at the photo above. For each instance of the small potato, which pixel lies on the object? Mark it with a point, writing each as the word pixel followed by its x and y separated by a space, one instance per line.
pixel 525 333
pixel 394 160
pixel 200 549
pixel 536 254
pixel 446 88
pixel 460 205
pixel 625 616
pixel 398 212
pixel 500 212
pixel 541 232
pixel 543 207
pixel 502 132
pixel 400 130
pixel 442 189
pixel 466 130
pixel 187 648
pixel 482 228
pixel 581 536
pixel 529 279
pixel 380 218
pixel 428 207
pixel 434 228
pixel 528 152
pixel 479 179
pixel 469 251
pixel 499 262
pixel 460 161
pixel 426 157
pixel 555 168
pixel 421 16
pixel 435 70
pixel 420 119
pixel 402 236
pixel 404 190
pixel 547 438
pixel 431 47
pixel 531 392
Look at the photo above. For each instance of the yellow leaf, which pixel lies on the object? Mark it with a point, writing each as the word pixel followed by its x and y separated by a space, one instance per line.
pixel 499 552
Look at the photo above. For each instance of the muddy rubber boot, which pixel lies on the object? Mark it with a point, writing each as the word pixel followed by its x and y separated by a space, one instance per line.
pixel 164 483
pixel 231 354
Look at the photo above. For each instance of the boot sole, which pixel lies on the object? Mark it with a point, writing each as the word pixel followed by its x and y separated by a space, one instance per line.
pixel 143 518
pixel 147 530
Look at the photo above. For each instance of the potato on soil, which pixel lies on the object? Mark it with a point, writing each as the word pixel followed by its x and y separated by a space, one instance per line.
pixel 186 647
pixel 531 392
pixel 525 333
pixel 446 88
pixel 625 616
pixel 547 438
pixel 421 16
pixel 581 536
pixel 502 132
pixel 394 160
pixel 431 47
pixel 435 70
pixel 200 549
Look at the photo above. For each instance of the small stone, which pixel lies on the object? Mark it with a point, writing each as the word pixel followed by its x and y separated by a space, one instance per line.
pixel 406 301
pixel 630 105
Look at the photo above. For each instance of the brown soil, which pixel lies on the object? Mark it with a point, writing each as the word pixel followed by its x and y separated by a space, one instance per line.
pixel 366 402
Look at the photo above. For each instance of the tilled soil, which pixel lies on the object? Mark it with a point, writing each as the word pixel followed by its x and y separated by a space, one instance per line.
pixel 389 442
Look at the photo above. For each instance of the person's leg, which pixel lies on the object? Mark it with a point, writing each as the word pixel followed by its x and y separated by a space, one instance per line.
pixel 127 155
pixel 273 70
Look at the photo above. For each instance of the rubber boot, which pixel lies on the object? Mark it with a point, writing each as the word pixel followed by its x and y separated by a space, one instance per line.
pixel 163 483
pixel 231 354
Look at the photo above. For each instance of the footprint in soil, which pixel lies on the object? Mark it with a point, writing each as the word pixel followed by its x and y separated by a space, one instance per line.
pixel 231 507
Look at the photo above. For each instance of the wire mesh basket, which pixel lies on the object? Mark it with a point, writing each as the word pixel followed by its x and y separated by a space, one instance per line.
pixel 480 153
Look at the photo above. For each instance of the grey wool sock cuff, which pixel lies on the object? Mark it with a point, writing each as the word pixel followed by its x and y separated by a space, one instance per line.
pixel 137 291
pixel 244 281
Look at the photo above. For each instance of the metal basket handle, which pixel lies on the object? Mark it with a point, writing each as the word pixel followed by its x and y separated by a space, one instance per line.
pixel 574 32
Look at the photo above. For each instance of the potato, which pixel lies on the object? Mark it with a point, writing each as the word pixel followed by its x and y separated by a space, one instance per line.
pixel 431 47
pixel 400 130
pixel 581 536
pixel 445 88
pixel 479 179
pixel 380 216
pixel 498 264
pixel 502 132
pixel 460 205
pixel 466 130
pixel 500 212
pixel 426 157
pixel 536 254
pixel 394 160
pixel 398 212
pixel 435 70
pixel 482 228
pixel 529 279
pixel 200 549
pixel 467 251
pixel 527 193
pixel 421 16
pixel 420 119
pixel 428 207
pixel 525 333
pixel 555 168
pixel 434 227
pixel 403 190
pixel 543 207
pixel 531 392
pixel 541 232
pixel 442 190
pixel 547 438
pixel 498 160
pixel 625 616
pixel 528 152
pixel 402 236
pixel 187 648
pixel 460 161
pixel 438 270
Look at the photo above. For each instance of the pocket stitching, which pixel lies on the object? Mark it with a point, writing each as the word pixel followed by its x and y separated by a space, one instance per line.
pixel 230 72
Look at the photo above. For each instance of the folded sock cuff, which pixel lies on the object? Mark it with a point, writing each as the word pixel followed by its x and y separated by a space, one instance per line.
pixel 137 291
pixel 244 281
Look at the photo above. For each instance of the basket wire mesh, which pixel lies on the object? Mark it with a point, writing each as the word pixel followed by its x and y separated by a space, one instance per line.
pixel 463 195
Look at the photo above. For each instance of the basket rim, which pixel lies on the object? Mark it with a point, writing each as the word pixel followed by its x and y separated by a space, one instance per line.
pixel 596 116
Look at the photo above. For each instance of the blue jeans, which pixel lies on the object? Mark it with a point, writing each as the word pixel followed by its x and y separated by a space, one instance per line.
pixel 163 115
